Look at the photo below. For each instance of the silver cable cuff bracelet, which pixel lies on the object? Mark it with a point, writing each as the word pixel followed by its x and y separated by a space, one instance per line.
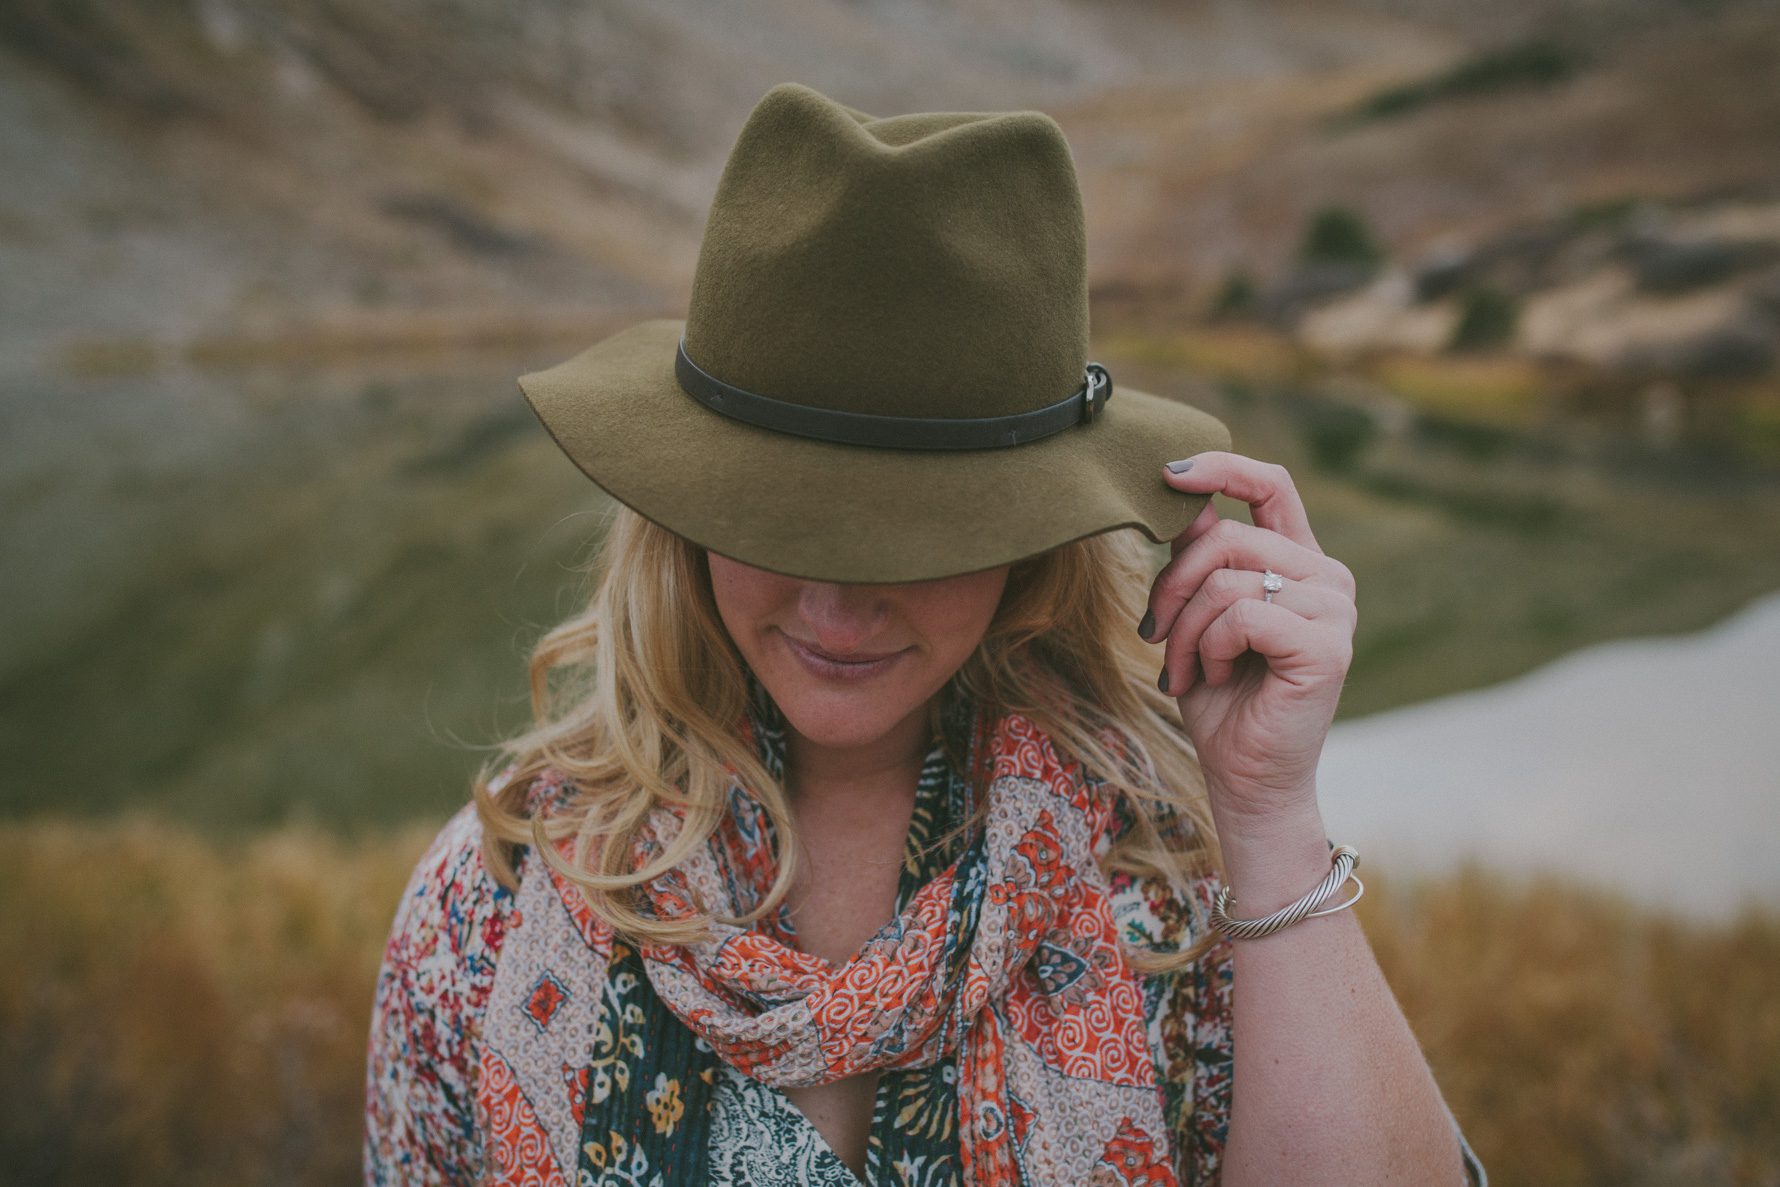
pixel 1342 862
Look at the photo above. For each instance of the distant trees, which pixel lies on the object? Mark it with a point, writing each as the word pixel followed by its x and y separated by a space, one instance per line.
pixel 1338 235
pixel 1535 62
pixel 1236 296
pixel 1487 319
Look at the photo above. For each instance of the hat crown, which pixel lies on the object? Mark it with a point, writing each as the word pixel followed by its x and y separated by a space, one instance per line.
pixel 925 265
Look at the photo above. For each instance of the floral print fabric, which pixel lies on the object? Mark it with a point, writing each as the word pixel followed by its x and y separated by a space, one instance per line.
pixel 1006 960
pixel 486 1071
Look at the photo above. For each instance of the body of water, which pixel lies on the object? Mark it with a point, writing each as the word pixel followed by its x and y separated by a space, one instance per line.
pixel 1650 766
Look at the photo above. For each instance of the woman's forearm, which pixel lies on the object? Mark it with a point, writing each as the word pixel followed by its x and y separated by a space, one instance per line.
pixel 1330 1085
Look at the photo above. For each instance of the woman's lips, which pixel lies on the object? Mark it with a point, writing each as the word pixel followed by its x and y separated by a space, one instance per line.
pixel 830 668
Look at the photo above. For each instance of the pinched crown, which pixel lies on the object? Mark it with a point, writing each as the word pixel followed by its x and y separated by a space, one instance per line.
pixel 931 264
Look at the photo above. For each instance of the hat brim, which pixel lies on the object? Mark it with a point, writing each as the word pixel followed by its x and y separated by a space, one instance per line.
pixel 824 511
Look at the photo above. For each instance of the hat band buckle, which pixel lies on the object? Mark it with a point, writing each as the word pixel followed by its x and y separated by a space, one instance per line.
pixel 1080 407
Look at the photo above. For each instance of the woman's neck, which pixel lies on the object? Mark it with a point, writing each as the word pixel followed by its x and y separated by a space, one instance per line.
pixel 888 765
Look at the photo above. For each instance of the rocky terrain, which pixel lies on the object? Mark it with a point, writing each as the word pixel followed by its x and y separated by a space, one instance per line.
pixel 207 179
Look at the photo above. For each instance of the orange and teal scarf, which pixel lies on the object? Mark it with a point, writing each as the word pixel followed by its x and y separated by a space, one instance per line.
pixel 998 1005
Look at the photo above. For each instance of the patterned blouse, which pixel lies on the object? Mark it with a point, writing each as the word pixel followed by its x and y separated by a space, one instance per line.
pixel 463 1084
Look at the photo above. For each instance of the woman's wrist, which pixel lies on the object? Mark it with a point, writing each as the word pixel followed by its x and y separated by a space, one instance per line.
pixel 1272 861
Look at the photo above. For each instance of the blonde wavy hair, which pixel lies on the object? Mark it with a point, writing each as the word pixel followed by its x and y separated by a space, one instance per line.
pixel 637 698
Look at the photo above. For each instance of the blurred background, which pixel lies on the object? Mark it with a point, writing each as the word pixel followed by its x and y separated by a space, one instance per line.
pixel 1499 284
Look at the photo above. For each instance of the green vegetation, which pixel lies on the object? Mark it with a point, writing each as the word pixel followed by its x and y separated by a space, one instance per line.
pixel 1487 319
pixel 1526 512
pixel 1335 436
pixel 1339 235
pixel 1475 442
pixel 1606 214
pixel 1535 62
pixel 1235 297
pixel 1758 429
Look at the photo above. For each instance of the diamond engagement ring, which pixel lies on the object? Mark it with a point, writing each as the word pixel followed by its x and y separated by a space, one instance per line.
pixel 1272 583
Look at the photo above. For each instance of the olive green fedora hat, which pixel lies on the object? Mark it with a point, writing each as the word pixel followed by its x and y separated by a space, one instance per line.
pixel 882 375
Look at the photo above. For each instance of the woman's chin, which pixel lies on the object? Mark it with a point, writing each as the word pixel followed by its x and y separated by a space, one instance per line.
pixel 844 716
pixel 839 721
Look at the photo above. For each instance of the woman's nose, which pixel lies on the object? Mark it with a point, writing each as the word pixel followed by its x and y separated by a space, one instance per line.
pixel 842 615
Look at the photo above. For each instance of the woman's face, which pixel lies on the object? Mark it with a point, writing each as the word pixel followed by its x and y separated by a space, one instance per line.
pixel 926 629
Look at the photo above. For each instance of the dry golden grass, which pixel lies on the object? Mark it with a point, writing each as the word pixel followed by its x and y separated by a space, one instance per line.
pixel 195 1010
pixel 1235 351
pixel 1491 389
pixel 357 332
pixel 184 1010
pixel 1581 1040
pixel 346 335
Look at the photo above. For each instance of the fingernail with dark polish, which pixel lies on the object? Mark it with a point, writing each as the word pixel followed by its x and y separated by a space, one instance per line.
pixel 1147 625
pixel 1162 680
pixel 1180 467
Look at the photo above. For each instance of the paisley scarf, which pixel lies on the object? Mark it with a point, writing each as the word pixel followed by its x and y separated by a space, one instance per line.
pixel 998 996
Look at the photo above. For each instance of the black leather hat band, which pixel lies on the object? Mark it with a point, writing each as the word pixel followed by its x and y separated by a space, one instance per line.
pixel 895 432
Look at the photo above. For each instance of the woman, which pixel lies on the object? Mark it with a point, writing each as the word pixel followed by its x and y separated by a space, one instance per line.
pixel 856 840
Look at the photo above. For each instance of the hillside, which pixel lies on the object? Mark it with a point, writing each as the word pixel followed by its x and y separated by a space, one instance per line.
pixel 221 170
pixel 279 526
pixel 1621 197
pixel 218 175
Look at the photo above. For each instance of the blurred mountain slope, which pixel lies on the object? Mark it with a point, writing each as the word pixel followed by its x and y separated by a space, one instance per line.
pixel 1668 111
pixel 211 174
pixel 209 169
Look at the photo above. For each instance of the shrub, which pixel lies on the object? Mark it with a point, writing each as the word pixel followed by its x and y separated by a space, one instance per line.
pixel 1338 235
pixel 1336 434
pixel 1535 62
pixel 1486 319
pixel 1236 296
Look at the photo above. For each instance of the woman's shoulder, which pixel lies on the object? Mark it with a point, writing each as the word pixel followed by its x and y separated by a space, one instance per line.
pixel 453 903
pixel 431 998
pixel 448 927
pixel 451 894
pixel 432 985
